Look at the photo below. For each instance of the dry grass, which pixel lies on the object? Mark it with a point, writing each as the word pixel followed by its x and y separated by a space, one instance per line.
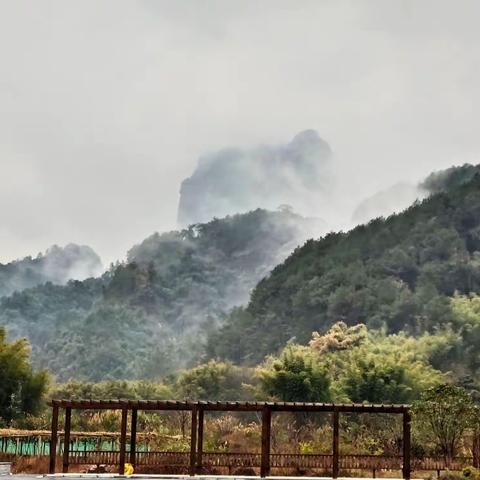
pixel 30 464
pixel 39 465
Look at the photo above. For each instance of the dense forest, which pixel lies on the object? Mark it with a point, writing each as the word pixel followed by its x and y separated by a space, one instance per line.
pixel 416 273
pixel 145 318
pixel 409 283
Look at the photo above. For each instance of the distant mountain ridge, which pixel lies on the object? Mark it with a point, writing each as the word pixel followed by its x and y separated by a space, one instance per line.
pixel 56 265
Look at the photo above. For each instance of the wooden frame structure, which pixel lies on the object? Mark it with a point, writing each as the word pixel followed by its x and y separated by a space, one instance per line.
pixel 195 458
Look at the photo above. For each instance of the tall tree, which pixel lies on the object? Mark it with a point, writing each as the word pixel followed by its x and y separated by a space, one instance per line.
pixel 444 412
pixel 295 376
pixel 21 389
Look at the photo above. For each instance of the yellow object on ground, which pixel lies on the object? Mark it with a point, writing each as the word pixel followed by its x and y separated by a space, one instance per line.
pixel 128 469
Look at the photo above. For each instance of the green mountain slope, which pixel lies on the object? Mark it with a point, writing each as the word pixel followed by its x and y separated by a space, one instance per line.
pixel 147 317
pixel 394 274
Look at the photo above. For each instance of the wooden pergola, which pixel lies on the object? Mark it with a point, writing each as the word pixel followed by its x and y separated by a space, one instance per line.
pixel 197 409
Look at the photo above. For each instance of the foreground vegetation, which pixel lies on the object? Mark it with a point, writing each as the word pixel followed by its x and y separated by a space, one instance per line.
pixel 347 364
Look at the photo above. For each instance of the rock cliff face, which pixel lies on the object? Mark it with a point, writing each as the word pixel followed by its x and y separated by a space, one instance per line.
pixel 237 180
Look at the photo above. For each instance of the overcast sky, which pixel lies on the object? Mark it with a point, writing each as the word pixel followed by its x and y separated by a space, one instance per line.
pixel 105 105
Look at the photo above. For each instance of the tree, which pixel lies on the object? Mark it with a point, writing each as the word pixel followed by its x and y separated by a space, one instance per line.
pixel 212 381
pixel 466 310
pixel 373 376
pixel 295 377
pixel 444 412
pixel 369 366
pixel 339 337
pixel 132 390
pixel 21 389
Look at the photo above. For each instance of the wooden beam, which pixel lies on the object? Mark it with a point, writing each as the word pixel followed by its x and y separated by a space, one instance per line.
pixel 346 408
pixel 66 439
pixel 53 440
pixel 266 433
pixel 201 422
pixel 336 443
pixel 227 406
pixel 406 445
pixel 123 442
pixel 193 440
pixel 133 437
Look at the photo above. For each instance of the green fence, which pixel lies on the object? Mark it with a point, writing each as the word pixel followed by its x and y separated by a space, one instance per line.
pixel 41 445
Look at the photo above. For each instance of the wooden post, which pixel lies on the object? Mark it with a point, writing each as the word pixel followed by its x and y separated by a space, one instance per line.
pixel 336 443
pixel 53 440
pixel 123 442
pixel 266 433
pixel 475 449
pixel 66 438
pixel 406 444
pixel 133 437
pixel 193 439
pixel 201 414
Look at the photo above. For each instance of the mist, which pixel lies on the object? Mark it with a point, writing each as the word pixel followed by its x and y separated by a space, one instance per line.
pixel 296 175
pixel 175 288
pixel 57 265
pixel 107 105
pixel 388 201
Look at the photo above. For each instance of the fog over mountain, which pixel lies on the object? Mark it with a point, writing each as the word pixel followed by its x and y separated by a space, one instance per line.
pixel 56 265
pixel 150 316
pixel 401 195
pixel 236 180
pixel 385 202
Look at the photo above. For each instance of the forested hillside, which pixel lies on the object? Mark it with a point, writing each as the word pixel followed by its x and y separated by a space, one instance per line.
pixel 146 318
pixel 382 313
pixel 152 315
pixel 397 274
pixel 57 265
